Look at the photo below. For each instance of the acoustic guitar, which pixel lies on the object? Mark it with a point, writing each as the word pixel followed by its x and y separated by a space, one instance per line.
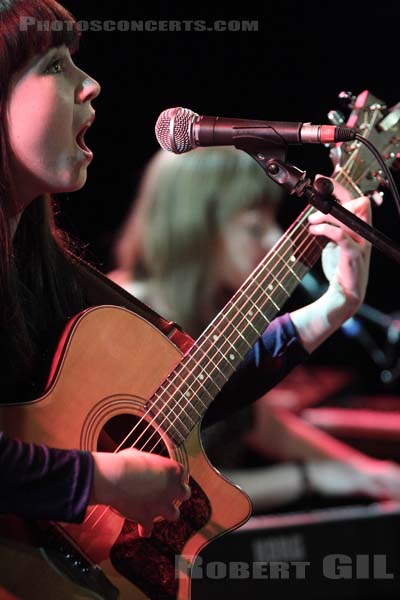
pixel 117 381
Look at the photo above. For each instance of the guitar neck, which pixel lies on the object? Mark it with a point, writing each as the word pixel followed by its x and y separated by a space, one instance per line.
pixel 182 399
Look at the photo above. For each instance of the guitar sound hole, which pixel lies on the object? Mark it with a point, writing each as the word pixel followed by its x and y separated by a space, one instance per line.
pixel 130 431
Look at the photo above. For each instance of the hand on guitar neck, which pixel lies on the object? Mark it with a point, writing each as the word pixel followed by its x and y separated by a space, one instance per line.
pixel 345 263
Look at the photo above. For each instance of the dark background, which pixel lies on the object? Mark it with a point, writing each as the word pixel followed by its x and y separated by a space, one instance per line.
pixel 292 68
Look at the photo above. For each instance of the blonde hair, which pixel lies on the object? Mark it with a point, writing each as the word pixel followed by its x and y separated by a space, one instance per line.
pixel 183 202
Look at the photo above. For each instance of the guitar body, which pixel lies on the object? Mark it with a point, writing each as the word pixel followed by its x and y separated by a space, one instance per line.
pixel 108 364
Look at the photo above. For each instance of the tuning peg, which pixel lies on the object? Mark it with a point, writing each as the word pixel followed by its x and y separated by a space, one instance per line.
pixel 346 99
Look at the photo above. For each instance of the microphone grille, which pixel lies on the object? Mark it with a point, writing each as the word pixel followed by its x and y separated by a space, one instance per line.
pixel 173 129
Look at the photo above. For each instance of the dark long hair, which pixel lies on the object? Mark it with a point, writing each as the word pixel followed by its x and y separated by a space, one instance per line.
pixel 38 290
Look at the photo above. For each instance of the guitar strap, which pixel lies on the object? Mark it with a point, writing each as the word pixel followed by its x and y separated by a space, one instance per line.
pixel 99 290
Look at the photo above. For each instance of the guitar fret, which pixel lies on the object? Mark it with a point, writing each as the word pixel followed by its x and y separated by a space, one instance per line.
pixel 264 302
pixel 243 338
pixel 235 340
pixel 203 379
pixel 264 294
pixel 274 303
pixel 230 355
pixel 259 330
pixel 184 407
pixel 293 273
pixel 194 388
pixel 191 378
pixel 218 339
pixel 277 279
pixel 319 244
pixel 282 287
pixel 253 305
pixel 215 365
pixel 252 326
pixel 180 414
pixel 161 415
pixel 232 336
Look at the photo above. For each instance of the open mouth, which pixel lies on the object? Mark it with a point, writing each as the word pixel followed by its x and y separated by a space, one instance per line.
pixel 80 140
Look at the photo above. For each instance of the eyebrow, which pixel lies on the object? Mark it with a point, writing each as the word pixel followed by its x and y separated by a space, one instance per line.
pixel 51 52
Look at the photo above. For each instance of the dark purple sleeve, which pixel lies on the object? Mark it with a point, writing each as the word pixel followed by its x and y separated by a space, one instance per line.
pixel 44 483
pixel 276 353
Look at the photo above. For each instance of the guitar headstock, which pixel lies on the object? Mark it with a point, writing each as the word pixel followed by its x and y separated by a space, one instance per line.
pixel 354 165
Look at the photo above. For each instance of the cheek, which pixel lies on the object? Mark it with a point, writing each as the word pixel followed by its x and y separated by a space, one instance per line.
pixel 35 119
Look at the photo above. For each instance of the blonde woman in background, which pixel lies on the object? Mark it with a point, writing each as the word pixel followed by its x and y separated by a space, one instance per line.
pixel 200 224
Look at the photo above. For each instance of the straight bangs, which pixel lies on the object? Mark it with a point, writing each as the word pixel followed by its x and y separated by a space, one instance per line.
pixel 30 27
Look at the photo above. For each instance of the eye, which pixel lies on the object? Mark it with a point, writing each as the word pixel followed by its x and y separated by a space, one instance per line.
pixel 55 67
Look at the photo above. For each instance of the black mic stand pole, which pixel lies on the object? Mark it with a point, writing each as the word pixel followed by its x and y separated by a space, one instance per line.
pixel 320 195
pixel 272 158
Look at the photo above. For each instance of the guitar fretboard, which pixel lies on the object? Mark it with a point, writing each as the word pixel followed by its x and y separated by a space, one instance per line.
pixel 182 399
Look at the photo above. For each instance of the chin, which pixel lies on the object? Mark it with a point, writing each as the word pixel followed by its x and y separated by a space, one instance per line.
pixel 78 186
pixel 72 185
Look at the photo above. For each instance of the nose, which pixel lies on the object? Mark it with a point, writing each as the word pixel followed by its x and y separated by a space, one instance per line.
pixel 87 90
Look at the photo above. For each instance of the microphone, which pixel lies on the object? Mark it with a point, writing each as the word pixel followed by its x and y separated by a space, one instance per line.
pixel 180 129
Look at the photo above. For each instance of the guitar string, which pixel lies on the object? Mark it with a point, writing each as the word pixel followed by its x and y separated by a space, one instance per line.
pixel 222 350
pixel 195 350
pixel 311 240
pixel 227 340
pixel 184 406
pixel 352 184
pixel 216 365
pixel 190 387
pixel 355 188
pixel 95 509
pixel 240 292
pixel 171 382
pixel 149 425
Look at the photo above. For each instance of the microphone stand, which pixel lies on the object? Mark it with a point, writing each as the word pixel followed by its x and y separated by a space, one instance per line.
pixel 272 158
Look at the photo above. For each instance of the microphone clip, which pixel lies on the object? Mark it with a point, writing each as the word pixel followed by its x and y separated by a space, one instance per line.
pixel 320 195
